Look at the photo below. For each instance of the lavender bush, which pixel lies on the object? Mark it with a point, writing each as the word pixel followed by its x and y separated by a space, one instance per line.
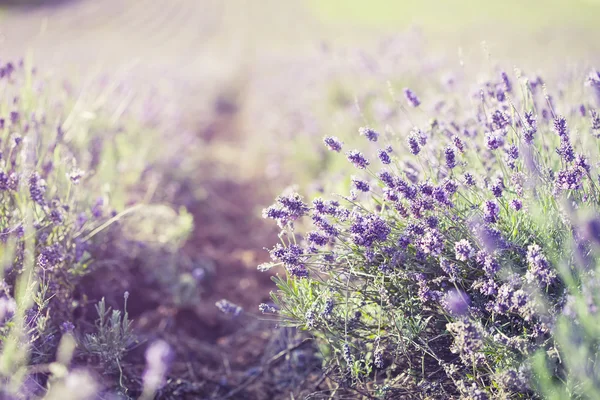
pixel 462 262
pixel 70 165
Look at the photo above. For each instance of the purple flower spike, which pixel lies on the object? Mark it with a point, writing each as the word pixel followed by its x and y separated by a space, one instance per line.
pixel 333 143
pixel 369 133
pixel 412 98
pixel 357 159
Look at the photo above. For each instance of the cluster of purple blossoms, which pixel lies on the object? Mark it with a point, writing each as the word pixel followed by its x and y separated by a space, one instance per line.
pixel 450 269
pixel 333 143
pixel 469 179
pixel 229 308
pixel 37 188
pixel 539 268
pixel 384 157
pixel 529 127
pixel 366 230
pixel 361 185
pixel 463 250
pixel 569 179
pixel 516 204
pixel 287 209
pixel 500 120
pixel 411 97
pixel 369 133
pixel 494 140
pixel 450 156
pixel 491 211
pixel 357 159
pixel 497 187
pixel 413 142
pixel 458 143
pixel 595 117
pixel 432 242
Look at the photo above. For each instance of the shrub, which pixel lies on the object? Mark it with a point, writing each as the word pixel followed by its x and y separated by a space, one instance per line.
pixel 451 261
pixel 70 166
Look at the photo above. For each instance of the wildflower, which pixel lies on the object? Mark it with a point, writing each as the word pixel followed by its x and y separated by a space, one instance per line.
pixel 494 140
pixel 361 185
pixel 328 308
pixel 229 308
pixel 51 256
pixel 368 230
pixel 463 250
pixel 333 143
pixel 369 133
pixel 75 175
pixel 458 143
pixel 469 179
pixel 384 157
pixel 539 267
pixel 317 238
pixel 497 188
pixel 506 82
pixel 411 97
pixel 595 120
pixel 37 188
pixel 287 209
pixel 387 178
pixel 413 143
pixel 450 157
pixel 432 242
pixel 500 120
pixel 529 127
pixel 569 179
pixel 467 337
pixel 265 308
pixel 516 204
pixel 560 126
pixel 450 269
pixel 357 159
pixel 491 211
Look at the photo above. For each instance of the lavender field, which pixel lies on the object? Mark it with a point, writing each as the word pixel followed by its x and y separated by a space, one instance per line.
pixel 299 200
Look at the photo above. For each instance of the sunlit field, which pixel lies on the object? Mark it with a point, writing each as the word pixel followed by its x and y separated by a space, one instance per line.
pixel 299 200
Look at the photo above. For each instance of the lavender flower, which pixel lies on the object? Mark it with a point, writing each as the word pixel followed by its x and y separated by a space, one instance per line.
pixel 369 133
pixel 506 82
pixel 450 269
pixel 357 159
pixel 560 126
pixel 333 143
pixel 491 211
pixel 469 179
pixel 411 97
pixel 595 116
pixel 569 179
pixel 450 157
pixel 361 185
pixel 516 204
pixel 384 157
pixel 432 242
pixel 413 143
pixel 463 250
pixel 229 308
pixel 494 140
pixel 37 188
pixel 539 267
